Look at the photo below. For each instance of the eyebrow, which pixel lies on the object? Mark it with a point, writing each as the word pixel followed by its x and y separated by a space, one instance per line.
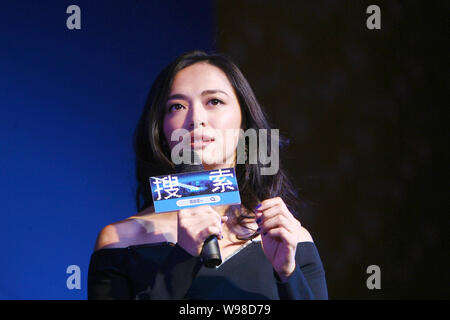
pixel 204 93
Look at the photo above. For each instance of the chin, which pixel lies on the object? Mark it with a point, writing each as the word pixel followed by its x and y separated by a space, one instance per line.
pixel 211 161
pixel 217 165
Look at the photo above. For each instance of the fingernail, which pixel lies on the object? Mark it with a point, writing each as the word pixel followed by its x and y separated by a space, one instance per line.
pixel 258 206
pixel 258 221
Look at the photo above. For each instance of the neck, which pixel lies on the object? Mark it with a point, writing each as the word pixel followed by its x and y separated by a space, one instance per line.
pixel 208 167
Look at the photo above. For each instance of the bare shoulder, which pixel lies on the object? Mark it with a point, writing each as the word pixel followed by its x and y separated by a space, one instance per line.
pixel 304 235
pixel 116 235
pixel 144 227
pixel 107 237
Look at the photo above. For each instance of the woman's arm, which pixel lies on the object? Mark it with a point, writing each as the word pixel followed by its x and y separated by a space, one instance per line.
pixel 107 279
pixel 174 277
pixel 109 275
pixel 308 279
pixel 281 234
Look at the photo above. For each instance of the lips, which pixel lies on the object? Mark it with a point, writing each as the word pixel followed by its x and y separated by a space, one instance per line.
pixel 200 144
pixel 200 140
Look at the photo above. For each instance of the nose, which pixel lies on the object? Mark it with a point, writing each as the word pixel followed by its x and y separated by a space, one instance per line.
pixel 198 118
pixel 196 124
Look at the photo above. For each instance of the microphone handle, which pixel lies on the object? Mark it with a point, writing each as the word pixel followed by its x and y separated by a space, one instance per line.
pixel 210 254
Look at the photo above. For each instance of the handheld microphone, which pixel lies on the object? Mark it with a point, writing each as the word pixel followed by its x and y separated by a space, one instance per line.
pixel 210 253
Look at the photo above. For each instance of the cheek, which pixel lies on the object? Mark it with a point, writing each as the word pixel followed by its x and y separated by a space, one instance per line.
pixel 229 120
pixel 229 132
pixel 173 127
pixel 229 125
pixel 168 128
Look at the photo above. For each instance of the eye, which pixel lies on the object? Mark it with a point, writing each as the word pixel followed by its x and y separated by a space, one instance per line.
pixel 175 107
pixel 215 102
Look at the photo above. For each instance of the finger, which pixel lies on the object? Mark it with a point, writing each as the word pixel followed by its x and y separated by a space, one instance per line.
pixel 210 210
pixel 200 219
pixel 209 219
pixel 268 213
pixel 277 222
pixel 281 234
pixel 205 212
pixel 213 216
pixel 209 231
pixel 273 212
pixel 197 210
pixel 268 203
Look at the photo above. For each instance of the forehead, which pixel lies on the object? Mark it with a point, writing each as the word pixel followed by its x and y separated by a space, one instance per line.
pixel 200 76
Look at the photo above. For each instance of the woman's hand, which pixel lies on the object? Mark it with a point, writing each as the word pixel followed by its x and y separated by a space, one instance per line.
pixel 280 232
pixel 195 225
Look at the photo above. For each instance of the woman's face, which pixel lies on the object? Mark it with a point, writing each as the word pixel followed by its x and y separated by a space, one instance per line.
pixel 202 101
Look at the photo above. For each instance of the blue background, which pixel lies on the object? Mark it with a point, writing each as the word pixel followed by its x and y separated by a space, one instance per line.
pixel 70 100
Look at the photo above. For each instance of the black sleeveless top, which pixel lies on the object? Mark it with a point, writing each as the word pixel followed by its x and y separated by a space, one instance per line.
pixel 167 271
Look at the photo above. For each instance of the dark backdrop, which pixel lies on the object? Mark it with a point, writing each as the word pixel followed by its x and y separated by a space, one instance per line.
pixel 366 113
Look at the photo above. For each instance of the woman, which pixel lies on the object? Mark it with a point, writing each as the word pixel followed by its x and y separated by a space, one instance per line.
pixel 266 252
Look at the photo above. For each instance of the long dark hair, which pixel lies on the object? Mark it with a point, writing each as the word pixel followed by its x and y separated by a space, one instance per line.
pixel 153 153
